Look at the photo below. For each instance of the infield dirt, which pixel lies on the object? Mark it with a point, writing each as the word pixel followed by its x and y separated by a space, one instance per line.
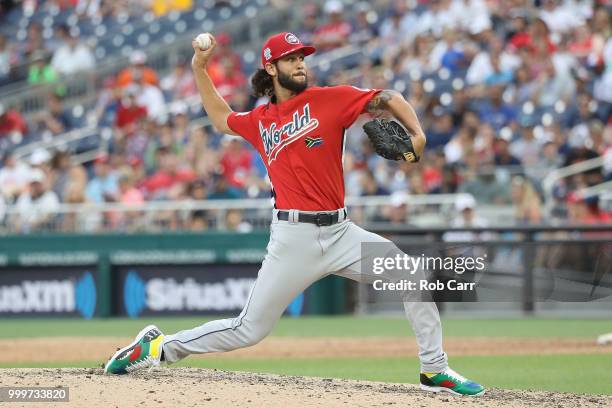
pixel 189 387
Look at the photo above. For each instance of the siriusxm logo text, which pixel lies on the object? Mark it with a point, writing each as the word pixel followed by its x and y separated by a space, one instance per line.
pixel 168 294
pixel 272 137
pixel 51 296
pixel 38 296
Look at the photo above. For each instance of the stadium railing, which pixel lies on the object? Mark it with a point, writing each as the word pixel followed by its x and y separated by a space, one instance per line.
pixel 550 181
pixel 155 216
pixel 90 140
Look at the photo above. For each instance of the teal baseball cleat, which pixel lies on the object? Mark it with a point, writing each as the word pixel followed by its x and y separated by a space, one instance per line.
pixel 452 382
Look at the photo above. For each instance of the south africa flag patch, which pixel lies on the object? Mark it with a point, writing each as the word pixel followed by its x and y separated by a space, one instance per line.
pixel 313 141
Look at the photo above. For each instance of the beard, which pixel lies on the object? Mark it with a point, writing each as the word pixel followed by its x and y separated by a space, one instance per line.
pixel 287 82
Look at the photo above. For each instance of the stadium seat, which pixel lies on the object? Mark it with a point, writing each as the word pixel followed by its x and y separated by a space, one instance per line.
pixel 127 29
pixel 117 41
pixel 143 40
pixel 180 26
pixel 100 52
pixel 87 144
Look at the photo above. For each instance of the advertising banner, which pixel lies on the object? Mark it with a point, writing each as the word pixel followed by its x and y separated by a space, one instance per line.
pixel 145 290
pixel 46 291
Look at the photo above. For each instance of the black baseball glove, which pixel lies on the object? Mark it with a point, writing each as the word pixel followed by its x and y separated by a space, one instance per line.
pixel 390 140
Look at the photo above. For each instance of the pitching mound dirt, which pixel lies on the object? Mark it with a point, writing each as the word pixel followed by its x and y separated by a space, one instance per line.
pixel 185 387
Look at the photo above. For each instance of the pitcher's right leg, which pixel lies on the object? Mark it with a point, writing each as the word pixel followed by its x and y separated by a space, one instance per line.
pixel 290 266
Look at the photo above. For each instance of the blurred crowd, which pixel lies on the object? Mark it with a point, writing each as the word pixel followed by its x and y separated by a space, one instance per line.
pixel 46 53
pixel 507 91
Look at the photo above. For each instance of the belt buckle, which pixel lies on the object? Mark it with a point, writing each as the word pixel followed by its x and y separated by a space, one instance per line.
pixel 323 219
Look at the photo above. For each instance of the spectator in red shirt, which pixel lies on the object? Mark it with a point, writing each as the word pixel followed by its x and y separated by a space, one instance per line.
pixel 169 174
pixel 336 32
pixel 129 111
pixel 230 80
pixel 433 173
pixel 579 211
pixel 536 38
pixel 222 53
pixel 582 44
pixel 236 162
pixel 11 122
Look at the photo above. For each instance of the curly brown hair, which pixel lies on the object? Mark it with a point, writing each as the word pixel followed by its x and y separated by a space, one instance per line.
pixel 262 84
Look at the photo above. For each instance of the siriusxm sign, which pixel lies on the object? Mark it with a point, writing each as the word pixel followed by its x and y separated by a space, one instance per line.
pixel 134 294
pixel 158 290
pixel 169 294
pixel 48 292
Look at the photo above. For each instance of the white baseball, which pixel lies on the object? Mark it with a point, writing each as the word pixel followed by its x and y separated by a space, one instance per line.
pixel 204 41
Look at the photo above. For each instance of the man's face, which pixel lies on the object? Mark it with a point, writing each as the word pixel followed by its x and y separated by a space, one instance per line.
pixel 124 184
pixel 199 192
pixel 398 213
pixel 168 162
pixel 10 162
pixel 228 67
pixel 468 215
pixel 335 17
pixel 550 151
pixel 181 120
pixel 497 93
pixel 55 104
pixel 291 72
pixel 36 189
pixel 101 170
pixel 72 41
pixel 502 146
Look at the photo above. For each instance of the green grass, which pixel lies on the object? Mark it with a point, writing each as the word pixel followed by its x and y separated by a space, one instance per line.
pixel 569 373
pixel 314 327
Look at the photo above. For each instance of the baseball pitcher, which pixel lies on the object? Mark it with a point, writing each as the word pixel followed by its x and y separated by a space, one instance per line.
pixel 300 137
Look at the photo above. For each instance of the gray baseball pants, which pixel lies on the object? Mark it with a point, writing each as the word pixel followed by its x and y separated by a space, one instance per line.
pixel 298 254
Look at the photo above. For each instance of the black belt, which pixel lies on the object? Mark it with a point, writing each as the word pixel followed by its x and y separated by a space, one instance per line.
pixel 321 219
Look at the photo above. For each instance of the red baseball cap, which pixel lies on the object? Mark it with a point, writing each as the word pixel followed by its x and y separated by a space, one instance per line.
pixel 282 44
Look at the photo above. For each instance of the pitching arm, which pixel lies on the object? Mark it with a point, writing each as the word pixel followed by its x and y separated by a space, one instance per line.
pixel 215 106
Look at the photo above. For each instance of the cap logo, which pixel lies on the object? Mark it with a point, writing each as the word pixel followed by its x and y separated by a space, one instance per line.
pixel 291 39
pixel 267 54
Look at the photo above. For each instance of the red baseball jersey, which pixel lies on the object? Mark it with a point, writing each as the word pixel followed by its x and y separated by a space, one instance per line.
pixel 301 142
